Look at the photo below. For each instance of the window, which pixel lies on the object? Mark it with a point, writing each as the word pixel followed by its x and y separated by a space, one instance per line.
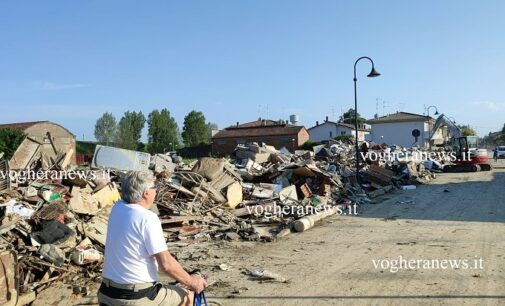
pixel 472 141
pixel 285 138
pixel 331 134
pixel 342 133
pixel 241 141
pixel 221 142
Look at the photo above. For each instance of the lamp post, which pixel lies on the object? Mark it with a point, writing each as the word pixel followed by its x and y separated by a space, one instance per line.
pixel 429 122
pixel 428 110
pixel 372 74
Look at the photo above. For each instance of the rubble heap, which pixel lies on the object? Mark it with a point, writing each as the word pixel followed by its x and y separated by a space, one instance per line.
pixel 58 226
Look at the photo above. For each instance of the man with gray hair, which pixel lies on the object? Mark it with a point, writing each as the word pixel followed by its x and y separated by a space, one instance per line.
pixel 136 250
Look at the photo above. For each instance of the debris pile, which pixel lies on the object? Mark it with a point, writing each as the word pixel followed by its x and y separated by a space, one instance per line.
pixel 58 225
pixel 46 221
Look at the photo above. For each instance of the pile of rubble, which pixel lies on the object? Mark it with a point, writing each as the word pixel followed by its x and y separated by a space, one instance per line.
pixel 400 167
pixel 58 226
pixel 46 221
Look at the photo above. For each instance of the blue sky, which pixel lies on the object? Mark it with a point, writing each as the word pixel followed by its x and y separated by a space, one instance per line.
pixel 71 61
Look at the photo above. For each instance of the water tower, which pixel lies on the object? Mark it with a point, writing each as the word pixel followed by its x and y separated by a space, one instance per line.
pixel 294 119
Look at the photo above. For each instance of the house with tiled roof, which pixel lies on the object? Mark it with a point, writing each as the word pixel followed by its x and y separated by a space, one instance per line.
pixel 400 129
pixel 275 133
pixel 328 129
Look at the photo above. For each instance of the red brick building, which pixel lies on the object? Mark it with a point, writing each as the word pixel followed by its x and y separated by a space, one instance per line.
pixel 275 133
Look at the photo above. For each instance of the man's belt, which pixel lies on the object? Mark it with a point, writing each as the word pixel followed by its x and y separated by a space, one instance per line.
pixel 130 294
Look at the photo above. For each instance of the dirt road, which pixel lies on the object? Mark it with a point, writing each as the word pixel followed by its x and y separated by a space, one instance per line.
pixel 457 217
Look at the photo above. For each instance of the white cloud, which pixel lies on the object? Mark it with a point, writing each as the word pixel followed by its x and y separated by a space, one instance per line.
pixel 47 85
pixel 489 105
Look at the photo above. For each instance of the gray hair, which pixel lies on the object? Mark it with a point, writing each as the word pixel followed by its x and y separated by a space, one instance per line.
pixel 133 185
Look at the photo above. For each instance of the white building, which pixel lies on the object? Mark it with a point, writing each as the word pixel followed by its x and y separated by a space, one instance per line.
pixel 400 128
pixel 329 130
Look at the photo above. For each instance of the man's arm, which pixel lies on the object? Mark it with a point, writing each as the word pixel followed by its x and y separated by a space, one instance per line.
pixel 168 264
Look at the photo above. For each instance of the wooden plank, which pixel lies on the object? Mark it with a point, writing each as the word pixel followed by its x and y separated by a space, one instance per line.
pixel 26 298
pixel 24 154
pixel 246 211
pixel 179 219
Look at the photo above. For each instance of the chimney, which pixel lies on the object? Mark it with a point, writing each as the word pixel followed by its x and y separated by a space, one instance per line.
pixel 237 123
pixel 326 119
pixel 317 123
pixel 259 119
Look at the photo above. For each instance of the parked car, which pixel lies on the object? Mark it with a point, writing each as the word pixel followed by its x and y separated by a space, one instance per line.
pixel 501 151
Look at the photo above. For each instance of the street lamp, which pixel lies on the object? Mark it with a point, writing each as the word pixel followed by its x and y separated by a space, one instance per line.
pixel 372 74
pixel 428 110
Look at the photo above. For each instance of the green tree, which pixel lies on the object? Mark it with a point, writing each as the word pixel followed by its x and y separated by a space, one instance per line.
pixel 309 144
pixel 129 130
pixel 348 117
pixel 10 139
pixel 466 130
pixel 162 132
pixel 344 138
pixel 195 130
pixel 211 127
pixel 105 129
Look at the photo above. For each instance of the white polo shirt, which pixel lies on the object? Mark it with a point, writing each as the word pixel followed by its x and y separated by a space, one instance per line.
pixel 134 235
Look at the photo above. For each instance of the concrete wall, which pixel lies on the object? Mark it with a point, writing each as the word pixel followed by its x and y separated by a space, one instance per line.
pixel 328 130
pixel 361 135
pixel 400 133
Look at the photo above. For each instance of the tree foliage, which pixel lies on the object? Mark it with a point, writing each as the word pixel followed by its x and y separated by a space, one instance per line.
pixel 195 130
pixel 344 138
pixel 162 132
pixel 309 144
pixel 105 129
pixel 466 130
pixel 129 130
pixel 348 117
pixel 211 127
pixel 10 139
